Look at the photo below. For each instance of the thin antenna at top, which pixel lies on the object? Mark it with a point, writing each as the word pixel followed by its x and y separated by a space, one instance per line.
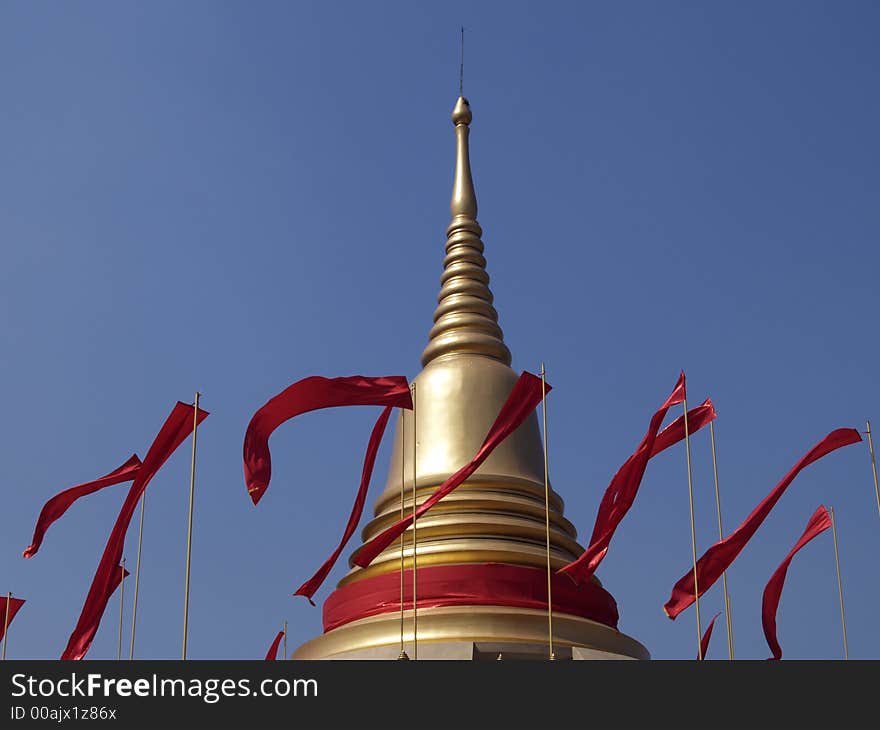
pixel 461 67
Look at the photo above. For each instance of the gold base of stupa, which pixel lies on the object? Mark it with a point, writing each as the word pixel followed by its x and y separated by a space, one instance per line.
pixel 378 637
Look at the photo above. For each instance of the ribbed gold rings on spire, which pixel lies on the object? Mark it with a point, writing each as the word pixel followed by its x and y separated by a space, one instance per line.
pixel 465 320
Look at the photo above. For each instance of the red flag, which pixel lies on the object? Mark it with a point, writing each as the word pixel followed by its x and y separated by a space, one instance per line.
pixel 698 417
pixel 704 642
pixel 621 492
pixel 14 605
pixel 484 584
pixel 618 497
pixel 719 557
pixel 306 395
pixel 59 504
pixel 525 396
pixel 272 654
pixel 174 431
pixel 819 522
pixel 308 588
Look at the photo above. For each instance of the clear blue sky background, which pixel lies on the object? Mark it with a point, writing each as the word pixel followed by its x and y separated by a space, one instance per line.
pixel 231 196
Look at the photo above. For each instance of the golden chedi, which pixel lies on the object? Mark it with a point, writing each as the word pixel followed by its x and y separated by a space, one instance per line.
pixel 481 561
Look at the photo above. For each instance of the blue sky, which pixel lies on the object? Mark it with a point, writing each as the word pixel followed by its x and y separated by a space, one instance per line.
pixel 232 196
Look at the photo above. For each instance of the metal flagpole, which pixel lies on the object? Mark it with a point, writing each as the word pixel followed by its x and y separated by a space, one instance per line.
pixel 839 584
pixel 121 607
pixel 403 654
pixel 192 489
pixel 721 537
pixel 547 514
pixel 6 621
pixel 873 465
pixel 137 575
pixel 284 645
pixel 687 444
pixel 414 558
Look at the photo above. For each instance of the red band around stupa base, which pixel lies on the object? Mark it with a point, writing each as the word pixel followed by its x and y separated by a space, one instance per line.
pixel 488 584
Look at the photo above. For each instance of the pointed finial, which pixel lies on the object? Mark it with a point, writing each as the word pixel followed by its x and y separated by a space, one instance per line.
pixel 464 199
pixel 465 322
pixel 461 114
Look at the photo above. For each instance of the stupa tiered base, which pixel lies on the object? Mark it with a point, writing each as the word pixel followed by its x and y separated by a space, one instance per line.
pixel 470 611
pixel 515 633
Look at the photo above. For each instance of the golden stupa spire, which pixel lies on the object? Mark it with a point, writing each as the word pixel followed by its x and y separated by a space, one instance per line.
pixel 494 529
pixel 465 320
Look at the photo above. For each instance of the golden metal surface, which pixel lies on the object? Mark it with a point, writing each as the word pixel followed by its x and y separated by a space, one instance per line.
pixel 189 529
pixel 471 550
pixel 524 492
pixel 839 585
pixel 461 503
pixel 459 399
pixel 401 541
pixel 462 524
pixel 507 511
pixel 414 557
pixel 547 515
pixel 6 622
pixel 465 320
pixel 687 447
pixel 721 537
pixel 873 465
pixel 137 575
pixel 474 623
pixel 121 607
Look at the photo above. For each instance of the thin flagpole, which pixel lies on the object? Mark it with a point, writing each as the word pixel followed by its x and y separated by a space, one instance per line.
pixel 839 585
pixel 547 514
pixel 402 654
pixel 687 444
pixel 137 575
pixel 873 465
pixel 121 607
pixel 6 622
pixel 284 645
pixel 414 558
pixel 721 537
pixel 192 489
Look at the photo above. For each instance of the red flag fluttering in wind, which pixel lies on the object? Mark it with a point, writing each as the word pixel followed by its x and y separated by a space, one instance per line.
pixel 819 522
pixel 308 588
pixel 698 417
pixel 310 394
pixel 174 431
pixel 621 492
pixel 704 642
pixel 59 504
pixel 719 557
pixel 14 605
pixel 525 396
pixel 272 654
